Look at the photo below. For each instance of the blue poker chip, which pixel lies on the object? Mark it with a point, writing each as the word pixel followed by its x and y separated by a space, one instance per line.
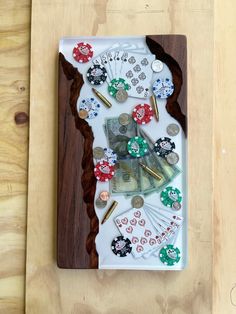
pixel 91 106
pixel 110 156
pixel 163 88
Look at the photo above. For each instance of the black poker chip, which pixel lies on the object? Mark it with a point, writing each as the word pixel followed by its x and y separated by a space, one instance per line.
pixel 97 74
pixel 164 146
pixel 121 246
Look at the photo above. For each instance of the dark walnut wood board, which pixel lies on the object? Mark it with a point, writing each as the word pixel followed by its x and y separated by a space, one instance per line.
pixel 78 224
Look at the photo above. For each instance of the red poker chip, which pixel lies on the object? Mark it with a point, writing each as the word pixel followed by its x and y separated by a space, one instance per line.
pixel 82 52
pixel 104 171
pixel 142 113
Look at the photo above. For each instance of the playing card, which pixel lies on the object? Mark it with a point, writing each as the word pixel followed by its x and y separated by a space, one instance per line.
pixel 135 225
pixel 164 214
pixel 136 70
pixel 112 59
pixel 102 60
pixel 111 62
pixel 166 223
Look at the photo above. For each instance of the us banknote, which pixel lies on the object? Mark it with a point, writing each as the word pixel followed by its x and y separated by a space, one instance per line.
pixel 130 178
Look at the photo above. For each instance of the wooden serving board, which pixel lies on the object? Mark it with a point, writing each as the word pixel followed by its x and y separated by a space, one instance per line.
pixel 53 290
pixel 78 224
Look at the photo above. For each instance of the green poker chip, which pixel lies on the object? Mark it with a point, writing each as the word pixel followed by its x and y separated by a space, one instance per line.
pixel 169 255
pixel 170 195
pixel 117 84
pixel 137 146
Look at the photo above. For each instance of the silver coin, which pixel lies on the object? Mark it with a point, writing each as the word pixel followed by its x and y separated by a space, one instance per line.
pixel 124 119
pixel 176 205
pixel 137 201
pixel 98 152
pixel 172 129
pixel 100 203
pixel 157 66
pixel 123 129
pixel 121 95
pixel 172 158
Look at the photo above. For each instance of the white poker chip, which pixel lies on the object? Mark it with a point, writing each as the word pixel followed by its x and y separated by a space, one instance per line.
pixel 109 156
pixel 163 88
pixel 157 66
pixel 91 106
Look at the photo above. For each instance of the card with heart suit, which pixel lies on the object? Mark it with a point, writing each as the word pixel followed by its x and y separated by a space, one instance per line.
pixel 147 228
pixel 135 225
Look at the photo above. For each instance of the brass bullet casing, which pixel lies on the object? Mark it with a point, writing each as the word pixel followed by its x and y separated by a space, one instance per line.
pixel 150 171
pixel 109 211
pixel 102 98
pixel 155 107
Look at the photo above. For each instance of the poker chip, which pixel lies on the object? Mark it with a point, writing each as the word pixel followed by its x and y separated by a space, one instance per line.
pixel 163 88
pixel 121 246
pixel 164 146
pixel 91 106
pixel 104 171
pixel 97 74
pixel 83 52
pixel 109 156
pixel 137 146
pixel 169 255
pixel 117 84
pixel 170 195
pixel 142 113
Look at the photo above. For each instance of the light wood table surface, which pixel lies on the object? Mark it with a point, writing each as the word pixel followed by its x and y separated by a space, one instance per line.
pixel 14 108
pixel 208 285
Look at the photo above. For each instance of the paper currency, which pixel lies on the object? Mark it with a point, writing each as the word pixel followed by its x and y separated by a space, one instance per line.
pixel 130 178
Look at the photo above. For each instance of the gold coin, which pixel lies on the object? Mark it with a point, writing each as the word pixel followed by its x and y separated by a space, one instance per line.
pixel 83 114
pixel 104 195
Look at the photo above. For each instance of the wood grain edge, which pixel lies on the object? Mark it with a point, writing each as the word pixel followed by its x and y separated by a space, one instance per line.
pixel 176 60
pixel 77 221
